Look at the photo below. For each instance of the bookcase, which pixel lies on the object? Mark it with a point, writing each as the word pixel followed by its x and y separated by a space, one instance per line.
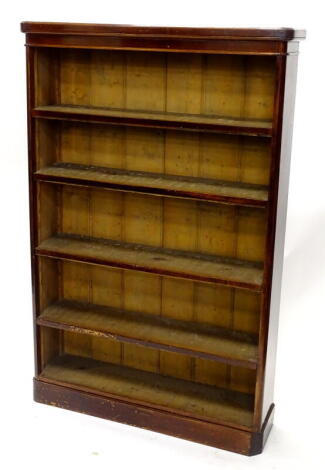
pixel 158 169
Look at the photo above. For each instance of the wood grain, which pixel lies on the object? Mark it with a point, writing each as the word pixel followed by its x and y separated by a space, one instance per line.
pixel 155 160
pixel 191 399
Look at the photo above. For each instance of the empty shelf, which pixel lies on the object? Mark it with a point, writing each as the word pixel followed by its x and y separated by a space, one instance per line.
pixel 163 261
pixel 156 119
pixel 153 183
pixel 198 340
pixel 187 398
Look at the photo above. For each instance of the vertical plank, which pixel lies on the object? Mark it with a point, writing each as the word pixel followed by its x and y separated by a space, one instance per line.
pixel 76 286
pixel 106 289
pixel 220 157
pixel 180 218
pixel 251 234
pixel 183 95
pixel 75 276
pixel 74 77
pixel 217 226
pixel 177 299
pixel 142 224
pixel 211 373
pixel 107 77
pixel 107 70
pixel 250 246
pixel 142 219
pixel 182 153
pixel 141 293
pixel 255 160
pixel 74 210
pixel 184 83
pixel 217 235
pixel 140 357
pixel 260 87
pixel 176 365
pixel 214 305
pixel 75 143
pixel 106 210
pixel 106 286
pixel 144 150
pixel 145 71
pixel 75 281
pixel 179 232
pixel 107 145
pixel 224 78
pixel 177 302
pixel 246 311
pixel 106 213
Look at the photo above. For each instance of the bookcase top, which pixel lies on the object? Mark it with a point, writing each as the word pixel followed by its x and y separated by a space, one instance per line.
pixel 278 34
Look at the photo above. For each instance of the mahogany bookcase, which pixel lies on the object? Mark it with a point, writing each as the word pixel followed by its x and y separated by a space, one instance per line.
pixel 158 168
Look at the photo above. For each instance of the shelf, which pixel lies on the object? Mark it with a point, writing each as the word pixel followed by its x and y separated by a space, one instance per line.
pixel 195 339
pixel 162 261
pixel 158 119
pixel 182 396
pixel 153 183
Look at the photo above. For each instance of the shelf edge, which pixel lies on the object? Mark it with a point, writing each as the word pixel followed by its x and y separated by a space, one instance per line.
pixel 163 272
pixel 152 123
pixel 248 364
pixel 229 200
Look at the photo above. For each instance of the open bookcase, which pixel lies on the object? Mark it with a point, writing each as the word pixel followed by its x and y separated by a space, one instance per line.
pixel 158 182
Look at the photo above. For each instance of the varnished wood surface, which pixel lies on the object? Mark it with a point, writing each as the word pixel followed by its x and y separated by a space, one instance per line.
pixel 240 47
pixel 216 435
pixel 279 186
pixel 149 259
pixel 156 31
pixel 144 387
pixel 156 119
pixel 122 108
pixel 197 339
pixel 152 183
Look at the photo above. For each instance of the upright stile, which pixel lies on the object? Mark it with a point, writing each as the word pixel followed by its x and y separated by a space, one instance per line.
pixel 158 169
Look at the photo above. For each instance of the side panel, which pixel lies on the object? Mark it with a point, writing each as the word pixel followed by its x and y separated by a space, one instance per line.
pixel 279 180
pixel 287 128
pixel 30 65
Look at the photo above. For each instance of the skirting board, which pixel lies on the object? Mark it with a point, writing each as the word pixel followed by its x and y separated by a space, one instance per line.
pixel 224 437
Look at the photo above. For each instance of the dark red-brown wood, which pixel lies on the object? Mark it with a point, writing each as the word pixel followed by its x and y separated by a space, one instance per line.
pixel 224 437
pixel 283 43
pixel 280 34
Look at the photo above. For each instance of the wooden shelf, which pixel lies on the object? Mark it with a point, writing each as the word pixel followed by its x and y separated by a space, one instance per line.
pixel 163 261
pixel 153 183
pixel 184 397
pixel 195 339
pixel 158 119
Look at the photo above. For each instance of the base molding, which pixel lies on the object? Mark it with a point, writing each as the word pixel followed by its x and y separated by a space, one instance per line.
pixel 215 435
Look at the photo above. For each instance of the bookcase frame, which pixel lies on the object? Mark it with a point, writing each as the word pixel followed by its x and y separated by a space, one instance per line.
pixel 223 419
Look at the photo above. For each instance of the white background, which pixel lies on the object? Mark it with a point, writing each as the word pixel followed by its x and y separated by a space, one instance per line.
pixel 46 437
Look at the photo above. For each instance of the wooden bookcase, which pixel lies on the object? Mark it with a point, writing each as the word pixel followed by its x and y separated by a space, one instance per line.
pixel 158 183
